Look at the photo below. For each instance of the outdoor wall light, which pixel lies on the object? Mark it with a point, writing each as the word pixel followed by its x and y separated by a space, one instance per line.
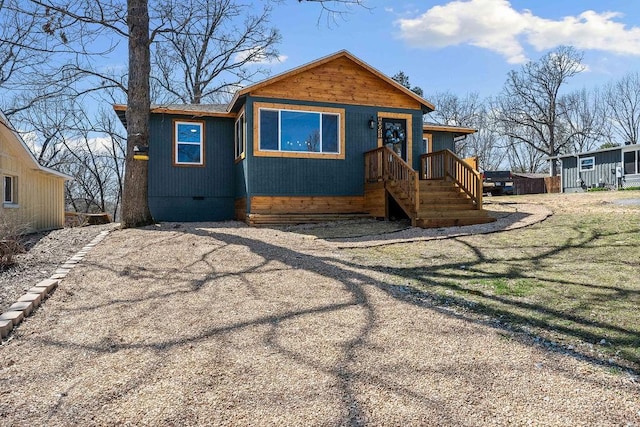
pixel 141 152
pixel 372 123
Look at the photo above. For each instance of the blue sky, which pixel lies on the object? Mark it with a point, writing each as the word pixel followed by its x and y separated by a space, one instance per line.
pixel 466 45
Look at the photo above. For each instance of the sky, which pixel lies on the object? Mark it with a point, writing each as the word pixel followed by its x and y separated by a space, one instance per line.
pixel 466 46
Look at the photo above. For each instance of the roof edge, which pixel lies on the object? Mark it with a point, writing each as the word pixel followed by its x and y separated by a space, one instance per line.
pixel 25 147
pixel 447 128
pixel 601 150
pixel 178 111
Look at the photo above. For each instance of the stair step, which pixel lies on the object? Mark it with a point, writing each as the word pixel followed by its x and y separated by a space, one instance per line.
pixel 439 190
pixel 451 213
pixel 453 198
pixel 426 209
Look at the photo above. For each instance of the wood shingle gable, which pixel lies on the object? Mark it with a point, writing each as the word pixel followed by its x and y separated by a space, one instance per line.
pixel 340 78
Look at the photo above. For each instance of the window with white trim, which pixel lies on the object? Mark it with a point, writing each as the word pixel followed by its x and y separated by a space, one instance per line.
pixel 240 137
pixel 9 190
pixel 188 137
pixel 587 164
pixel 299 131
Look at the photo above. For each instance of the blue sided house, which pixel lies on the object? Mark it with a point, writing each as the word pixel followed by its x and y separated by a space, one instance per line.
pixel 331 139
pixel 614 168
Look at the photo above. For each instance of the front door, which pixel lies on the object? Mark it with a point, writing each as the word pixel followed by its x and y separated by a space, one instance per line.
pixel 394 136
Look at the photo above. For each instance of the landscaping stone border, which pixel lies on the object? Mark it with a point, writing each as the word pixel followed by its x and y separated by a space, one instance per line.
pixel 42 290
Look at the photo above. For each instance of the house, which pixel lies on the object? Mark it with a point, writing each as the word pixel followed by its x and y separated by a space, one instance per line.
pixel 331 139
pixel 608 167
pixel 32 195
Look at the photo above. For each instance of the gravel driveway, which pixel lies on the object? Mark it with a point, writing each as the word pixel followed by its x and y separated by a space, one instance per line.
pixel 221 324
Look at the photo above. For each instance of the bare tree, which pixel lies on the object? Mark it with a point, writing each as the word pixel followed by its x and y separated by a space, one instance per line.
pixel 332 10
pixel 487 144
pixel 210 48
pixel 525 157
pixel 454 110
pixel 16 34
pixel 115 152
pixel 529 108
pixel 623 99
pixel 471 112
pixel 585 122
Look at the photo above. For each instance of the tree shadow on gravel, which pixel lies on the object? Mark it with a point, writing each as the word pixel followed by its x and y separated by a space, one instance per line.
pixel 353 277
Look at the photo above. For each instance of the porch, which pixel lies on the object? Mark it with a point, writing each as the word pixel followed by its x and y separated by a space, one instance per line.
pixel 446 192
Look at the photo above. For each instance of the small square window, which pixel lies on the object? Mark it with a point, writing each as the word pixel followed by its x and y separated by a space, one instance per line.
pixel 587 164
pixel 188 143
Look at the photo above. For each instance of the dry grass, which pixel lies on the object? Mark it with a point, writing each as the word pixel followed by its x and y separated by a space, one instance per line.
pixel 571 280
pixel 220 324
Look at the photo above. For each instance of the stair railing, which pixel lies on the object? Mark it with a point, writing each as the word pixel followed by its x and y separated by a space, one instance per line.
pixel 382 164
pixel 445 165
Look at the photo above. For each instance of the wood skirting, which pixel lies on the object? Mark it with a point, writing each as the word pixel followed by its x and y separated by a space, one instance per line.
pixel 307 205
pixel 240 209
pixel 266 210
pixel 375 199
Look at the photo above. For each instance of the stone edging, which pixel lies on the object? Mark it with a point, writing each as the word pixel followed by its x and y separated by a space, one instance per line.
pixel 37 294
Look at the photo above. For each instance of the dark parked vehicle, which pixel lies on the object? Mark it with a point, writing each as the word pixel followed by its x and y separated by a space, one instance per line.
pixel 497 183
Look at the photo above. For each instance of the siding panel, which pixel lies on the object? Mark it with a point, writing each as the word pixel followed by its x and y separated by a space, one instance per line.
pixel 273 176
pixel 339 81
pixel 40 195
pixel 192 193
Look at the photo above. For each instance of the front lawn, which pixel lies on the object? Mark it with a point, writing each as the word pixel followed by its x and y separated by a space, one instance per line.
pixel 571 283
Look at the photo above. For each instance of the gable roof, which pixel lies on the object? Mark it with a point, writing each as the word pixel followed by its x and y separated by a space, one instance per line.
pixel 9 134
pixel 343 54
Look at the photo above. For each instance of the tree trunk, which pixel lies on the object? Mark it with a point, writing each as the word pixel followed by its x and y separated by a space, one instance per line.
pixel 135 207
pixel 553 169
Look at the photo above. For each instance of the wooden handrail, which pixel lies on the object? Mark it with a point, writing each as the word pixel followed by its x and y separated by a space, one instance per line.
pixel 445 165
pixel 382 164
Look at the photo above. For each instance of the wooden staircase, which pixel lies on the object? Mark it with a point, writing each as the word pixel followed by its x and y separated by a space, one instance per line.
pixel 446 192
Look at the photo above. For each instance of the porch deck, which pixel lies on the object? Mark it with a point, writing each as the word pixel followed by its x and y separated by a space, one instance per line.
pixel 446 192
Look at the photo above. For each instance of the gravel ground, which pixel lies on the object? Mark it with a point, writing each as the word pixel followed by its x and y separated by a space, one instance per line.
pixel 221 324
pixel 45 252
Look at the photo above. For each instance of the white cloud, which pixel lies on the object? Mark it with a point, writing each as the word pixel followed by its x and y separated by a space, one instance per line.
pixel 497 26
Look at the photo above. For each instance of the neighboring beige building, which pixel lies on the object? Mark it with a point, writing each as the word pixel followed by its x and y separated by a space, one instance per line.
pixel 32 195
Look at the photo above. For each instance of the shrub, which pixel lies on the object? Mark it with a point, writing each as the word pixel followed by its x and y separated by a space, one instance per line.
pixel 10 241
